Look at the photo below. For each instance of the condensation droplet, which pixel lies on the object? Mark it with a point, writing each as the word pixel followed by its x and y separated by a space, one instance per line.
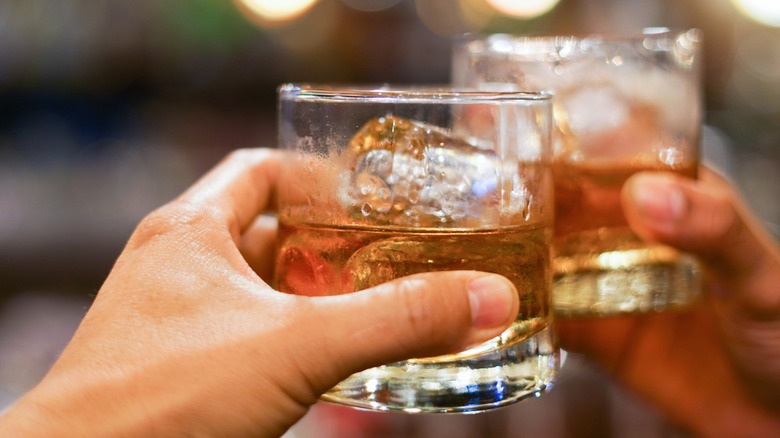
pixel 366 209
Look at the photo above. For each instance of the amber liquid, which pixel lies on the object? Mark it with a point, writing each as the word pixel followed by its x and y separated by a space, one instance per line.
pixel 327 260
pixel 587 197
pixel 322 260
pixel 600 266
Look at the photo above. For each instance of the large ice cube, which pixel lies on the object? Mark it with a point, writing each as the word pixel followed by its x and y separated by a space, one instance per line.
pixel 408 173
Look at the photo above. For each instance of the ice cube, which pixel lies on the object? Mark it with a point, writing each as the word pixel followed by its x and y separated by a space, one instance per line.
pixel 408 173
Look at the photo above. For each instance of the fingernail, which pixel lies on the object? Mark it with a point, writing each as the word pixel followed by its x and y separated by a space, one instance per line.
pixel 490 298
pixel 658 198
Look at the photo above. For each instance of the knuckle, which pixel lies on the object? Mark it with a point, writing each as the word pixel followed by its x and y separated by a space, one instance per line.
pixel 240 155
pixel 173 219
pixel 249 155
pixel 728 226
pixel 724 219
pixel 728 237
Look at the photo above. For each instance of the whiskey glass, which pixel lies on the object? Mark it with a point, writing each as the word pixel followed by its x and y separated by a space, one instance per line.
pixel 381 183
pixel 623 104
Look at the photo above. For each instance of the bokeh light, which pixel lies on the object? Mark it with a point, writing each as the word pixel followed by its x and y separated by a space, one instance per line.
pixel 524 8
pixel 763 11
pixel 275 11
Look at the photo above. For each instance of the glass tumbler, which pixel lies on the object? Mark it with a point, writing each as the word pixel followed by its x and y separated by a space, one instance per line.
pixel 388 182
pixel 623 104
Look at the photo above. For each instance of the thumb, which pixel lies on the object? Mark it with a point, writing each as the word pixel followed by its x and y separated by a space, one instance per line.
pixel 707 218
pixel 417 316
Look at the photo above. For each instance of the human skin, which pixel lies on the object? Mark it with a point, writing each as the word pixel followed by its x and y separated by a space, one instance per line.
pixel 186 338
pixel 712 368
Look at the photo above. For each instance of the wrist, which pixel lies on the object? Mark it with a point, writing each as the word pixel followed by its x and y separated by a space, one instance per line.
pixel 54 412
pixel 29 420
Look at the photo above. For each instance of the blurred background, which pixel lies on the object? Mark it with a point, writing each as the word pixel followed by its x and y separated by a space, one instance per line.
pixel 110 108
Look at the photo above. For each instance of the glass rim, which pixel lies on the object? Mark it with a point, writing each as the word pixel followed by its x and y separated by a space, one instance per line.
pixel 693 33
pixel 408 94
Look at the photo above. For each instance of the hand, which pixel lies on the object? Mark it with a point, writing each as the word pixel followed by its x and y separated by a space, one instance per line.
pixel 186 339
pixel 713 368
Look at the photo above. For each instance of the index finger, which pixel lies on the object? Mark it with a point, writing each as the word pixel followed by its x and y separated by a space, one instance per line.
pixel 240 187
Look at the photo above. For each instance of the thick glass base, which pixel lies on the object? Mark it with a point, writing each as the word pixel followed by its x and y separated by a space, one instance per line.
pixel 470 384
pixel 638 280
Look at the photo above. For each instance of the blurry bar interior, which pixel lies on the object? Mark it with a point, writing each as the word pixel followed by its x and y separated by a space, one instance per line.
pixel 110 108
